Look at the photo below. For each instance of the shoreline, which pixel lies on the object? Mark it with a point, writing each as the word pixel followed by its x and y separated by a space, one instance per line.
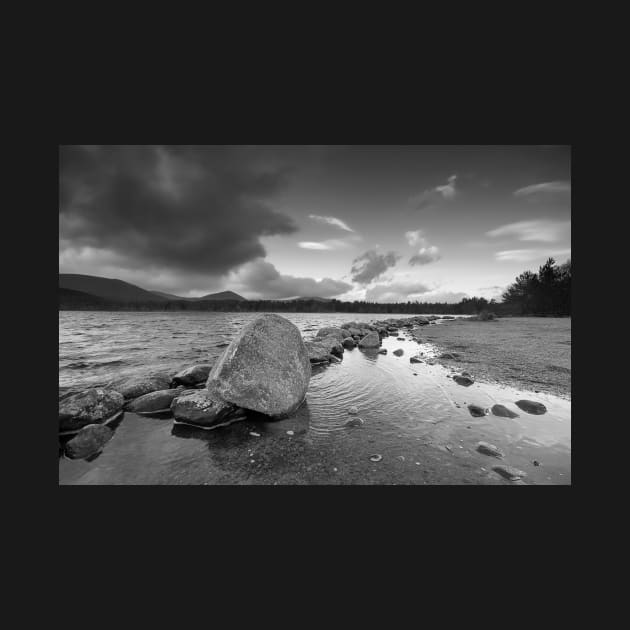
pixel 440 449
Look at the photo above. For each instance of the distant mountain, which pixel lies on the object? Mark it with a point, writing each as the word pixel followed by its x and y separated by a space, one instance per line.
pixel 108 288
pixel 120 291
pixel 224 295
pixel 70 297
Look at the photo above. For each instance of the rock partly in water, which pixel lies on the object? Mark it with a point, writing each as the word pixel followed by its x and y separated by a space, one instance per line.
pixel 88 441
pixel 93 406
pixel 415 360
pixel 489 449
pixel 531 406
pixel 354 422
pixel 464 380
pixel 353 411
pixel 513 474
pixel 452 356
pixel 399 352
pixel 200 409
pixel 193 375
pixel 476 411
pixel 266 368
pixel 383 351
pixel 349 343
pixel 371 340
pixel 503 411
pixel 136 386
pixel 154 401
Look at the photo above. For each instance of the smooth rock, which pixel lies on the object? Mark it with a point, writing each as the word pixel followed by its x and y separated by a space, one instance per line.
pixel 154 401
pixel 349 343
pixel 476 411
pixel 331 331
pixel 88 441
pixel 200 409
pixel 531 406
pixel 460 379
pixel 92 406
pixel 193 375
pixel 399 352
pixel 266 368
pixel 371 340
pixel 136 386
pixel 489 449
pixel 509 472
pixel 504 412
pixel 415 360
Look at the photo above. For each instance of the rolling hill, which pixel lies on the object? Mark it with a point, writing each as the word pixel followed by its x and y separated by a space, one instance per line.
pixel 120 291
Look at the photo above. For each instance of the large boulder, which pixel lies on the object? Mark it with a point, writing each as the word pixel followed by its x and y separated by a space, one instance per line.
pixel 154 401
pixel 88 441
pixel 371 340
pixel 266 368
pixel 200 409
pixel 135 386
pixel 193 375
pixel 92 406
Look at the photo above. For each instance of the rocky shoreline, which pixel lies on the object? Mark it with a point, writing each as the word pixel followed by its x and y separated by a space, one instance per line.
pixel 265 370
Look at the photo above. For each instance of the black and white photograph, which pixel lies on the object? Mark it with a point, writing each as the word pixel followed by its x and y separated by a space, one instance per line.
pixel 314 315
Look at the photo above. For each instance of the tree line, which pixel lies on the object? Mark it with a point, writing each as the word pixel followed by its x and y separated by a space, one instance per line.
pixel 547 292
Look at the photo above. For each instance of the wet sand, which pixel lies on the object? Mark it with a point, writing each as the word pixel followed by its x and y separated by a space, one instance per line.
pixel 527 352
pixel 415 417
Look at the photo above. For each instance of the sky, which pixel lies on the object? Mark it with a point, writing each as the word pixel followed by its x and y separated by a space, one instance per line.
pixel 382 223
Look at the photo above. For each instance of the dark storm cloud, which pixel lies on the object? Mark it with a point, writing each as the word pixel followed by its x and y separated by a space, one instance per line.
pixel 262 279
pixel 371 265
pixel 192 209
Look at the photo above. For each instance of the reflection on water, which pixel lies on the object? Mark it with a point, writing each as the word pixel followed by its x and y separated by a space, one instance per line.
pixel 414 414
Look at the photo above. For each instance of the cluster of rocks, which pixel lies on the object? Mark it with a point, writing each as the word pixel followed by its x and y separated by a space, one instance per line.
pixel 266 369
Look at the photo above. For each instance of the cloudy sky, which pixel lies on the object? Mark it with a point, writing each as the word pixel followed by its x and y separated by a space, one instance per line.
pixel 383 223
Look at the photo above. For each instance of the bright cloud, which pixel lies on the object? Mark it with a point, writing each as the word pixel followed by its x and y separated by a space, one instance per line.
pixel 425 256
pixel 445 191
pixel 544 230
pixel 545 187
pixel 331 221
pixel 526 255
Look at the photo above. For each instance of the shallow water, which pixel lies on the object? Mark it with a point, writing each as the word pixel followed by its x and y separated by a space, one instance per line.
pixel 414 415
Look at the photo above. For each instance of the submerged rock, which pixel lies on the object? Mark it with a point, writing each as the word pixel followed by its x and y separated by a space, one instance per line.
pixel 489 449
pixel 88 441
pixel 504 412
pixel 371 340
pixel 136 386
pixel 155 401
pixel 449 355
pixel 266 368
pixel 200 409
pixel 462 379
pixel 354 422
pixel 193 375
pixel 531 406
pixel 476 411
pixel 93 406
pixel 399 352
pixel 353 411
pixel 510 473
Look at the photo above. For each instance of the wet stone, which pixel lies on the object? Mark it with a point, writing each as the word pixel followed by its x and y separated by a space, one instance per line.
pixel 476 411
pixel 503 412
pixel 513 474
pixel 531 406
pixel 489 449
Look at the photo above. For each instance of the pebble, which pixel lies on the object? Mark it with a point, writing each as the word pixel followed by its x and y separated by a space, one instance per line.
pixel 376 458
pixel 508 472
pixel 254 434
pixel 290 433
pixel 489 449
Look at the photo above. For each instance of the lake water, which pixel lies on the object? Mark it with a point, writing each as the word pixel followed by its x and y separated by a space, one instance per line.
pixel 415 416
